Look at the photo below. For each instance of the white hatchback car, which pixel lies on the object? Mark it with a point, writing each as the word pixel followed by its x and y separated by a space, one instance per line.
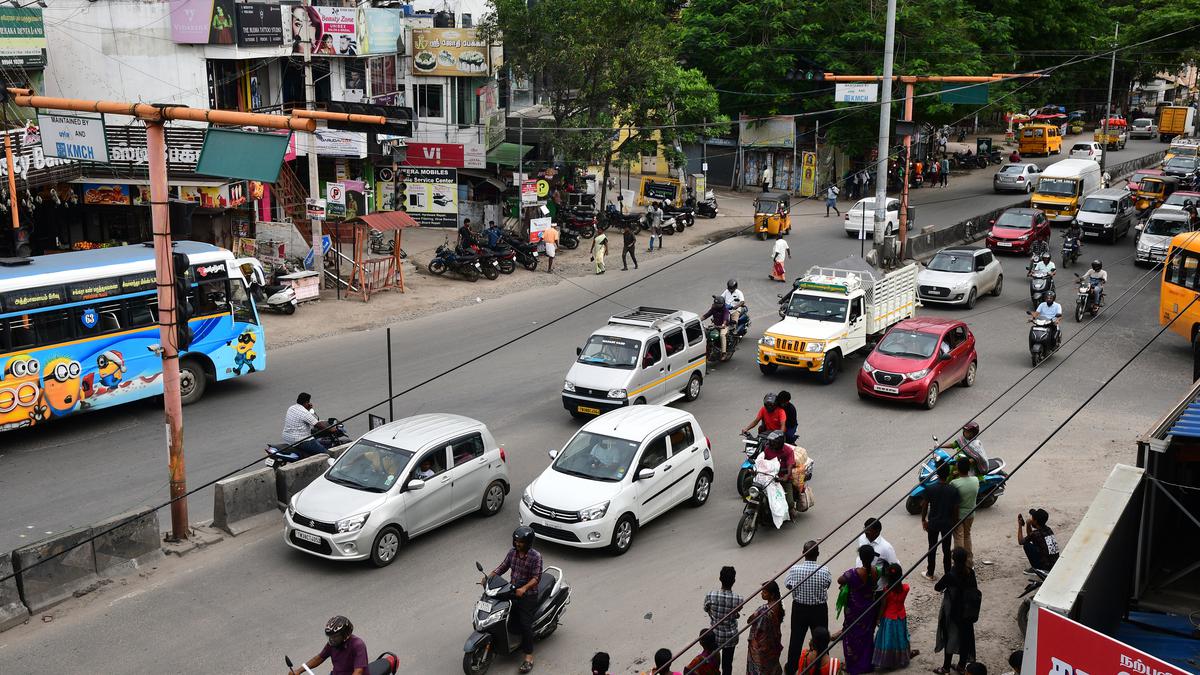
pixel 396 482
pixel 1087 150
pixel 861 217
pixel 619 472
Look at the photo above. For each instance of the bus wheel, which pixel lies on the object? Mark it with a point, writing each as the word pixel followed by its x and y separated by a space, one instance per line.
pixel 192 381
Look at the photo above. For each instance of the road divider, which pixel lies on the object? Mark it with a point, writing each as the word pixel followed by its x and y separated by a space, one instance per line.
pixel 132 543
pixel 13 611
pixel 245 501
pixel 54 569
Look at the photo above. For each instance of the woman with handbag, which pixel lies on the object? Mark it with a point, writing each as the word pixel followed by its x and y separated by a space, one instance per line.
pixel 961 601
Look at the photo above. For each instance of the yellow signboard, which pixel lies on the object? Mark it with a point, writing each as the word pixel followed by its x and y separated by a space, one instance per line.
pixel 808 174
pixel 452 52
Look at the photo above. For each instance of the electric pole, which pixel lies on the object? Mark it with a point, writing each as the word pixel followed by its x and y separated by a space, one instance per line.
pixel 314 184
pixel 885 123
pixel 1112 69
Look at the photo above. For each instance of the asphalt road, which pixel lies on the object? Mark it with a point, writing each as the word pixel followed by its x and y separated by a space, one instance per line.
pixel 108 462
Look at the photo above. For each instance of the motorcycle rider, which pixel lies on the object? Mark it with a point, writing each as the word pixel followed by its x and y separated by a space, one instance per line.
pixel 526 566
pixel 1044 264
pixel 777 449
pixel 770 417
pixel 719 314
pixel 968 444
pixel 735 302
pixel 1096 277
pixel 1051 311
pixel 346 650
pixel 300 423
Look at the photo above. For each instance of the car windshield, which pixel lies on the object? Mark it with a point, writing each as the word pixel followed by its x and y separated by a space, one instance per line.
pixel 1184 151
pixel 1181 198
pixel 1180 162
pixel 1062 187
pixel 596 457
pixel 1013 170
pixel 1098 205
pixel 951 262
pixel 1021 221
pixel 1163 227
pixel 610 352
pixel 908 344
pixel 817 307
pixel 369 466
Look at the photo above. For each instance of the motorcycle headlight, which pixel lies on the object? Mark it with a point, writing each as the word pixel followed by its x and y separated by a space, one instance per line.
pixel 527 498
pixel 492 619
pixel 617 393
pixel 752 493
pixel 916 375
pixel 817 347
pixel 868 368
pixel 353 523
pixel 594 512
pixel 569 386
pixel 766 341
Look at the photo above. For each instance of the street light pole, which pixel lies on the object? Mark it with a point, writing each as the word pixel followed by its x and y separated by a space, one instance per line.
pixel 1112 69
pixel 885 122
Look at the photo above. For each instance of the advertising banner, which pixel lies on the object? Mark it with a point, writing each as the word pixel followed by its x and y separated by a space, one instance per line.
pixel 808 174
pixel 200 22
pixel 456 155
pixel 537 226
pixel 334 143
pixel 1065 647
pixel 429 195
pixel 378 29
pixel 529 192
pixel 856 92
pixel 449 52
pixel 259 25
pixel 767 132
pixel 106 195
pixel 73 137
pixel 22 37
pixel 207 197
pixel 330 30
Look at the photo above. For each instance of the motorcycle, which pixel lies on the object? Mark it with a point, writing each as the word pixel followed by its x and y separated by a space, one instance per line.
pixel 991 484
pixel 489 260
pixel 447 259
pixel 615 218
pixel 1040 283
pixel 381 245
pixel 684 215
pixel 751 447
pixel 707 207
pixel 505 256
pixel 495 622
pixel 386 663
pixel 1087 300
pixel 1036 578
pixel 526 252
pixel 757 510
pixel 582 223
pixel 995 157
pixel 330 434
pixel 1040 346
pixel 1070 249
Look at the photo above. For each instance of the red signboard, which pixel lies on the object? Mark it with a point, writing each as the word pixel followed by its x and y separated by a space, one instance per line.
pixel 449 155
pixel 1065 647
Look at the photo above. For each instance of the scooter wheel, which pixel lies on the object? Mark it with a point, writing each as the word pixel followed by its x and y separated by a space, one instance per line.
pixel 289 308
pixel 746 528
pixel 913 505
pixel 477 662
pixel 989 500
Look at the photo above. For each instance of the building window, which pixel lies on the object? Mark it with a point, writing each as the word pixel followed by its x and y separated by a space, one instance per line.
pixel 428 100
pixel 466 103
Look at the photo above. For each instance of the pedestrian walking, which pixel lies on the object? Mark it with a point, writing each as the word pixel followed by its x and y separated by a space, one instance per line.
pixel 959 611
pixel 1041 547
pixel 935 172
pixel 767 175
pixel 864 182
pixel 893 649
pixel 765 643
pixel 968 492
pixel 857 597
pixel 944 174
pixel 599 249
pixel 708 661
pixel 831 196
pixel 655 214
pixel 721 607
pixel 779 253
pixel 628 247
pixel 851 185
pixel 816 660
pixel 550 240
pixel 809 582
pixel 939 514
pixel 600 662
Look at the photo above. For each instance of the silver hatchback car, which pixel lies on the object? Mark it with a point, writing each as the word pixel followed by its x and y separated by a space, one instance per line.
pixel 1020 177
pixel 396 482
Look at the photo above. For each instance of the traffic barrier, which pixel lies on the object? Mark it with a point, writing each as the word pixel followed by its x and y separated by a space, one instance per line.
pixel 294 477
pixel 245 501
pixel 133 543
pixel 45 578
pixel 13 611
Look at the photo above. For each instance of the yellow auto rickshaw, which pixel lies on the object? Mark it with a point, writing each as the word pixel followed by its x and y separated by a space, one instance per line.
pixel 772 214
pixel 1152 191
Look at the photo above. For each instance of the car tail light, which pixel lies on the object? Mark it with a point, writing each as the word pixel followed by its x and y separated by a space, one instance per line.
pixel 503 455
pixel 1020 179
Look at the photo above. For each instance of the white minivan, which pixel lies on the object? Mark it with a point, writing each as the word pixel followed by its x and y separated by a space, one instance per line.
pixel 619 472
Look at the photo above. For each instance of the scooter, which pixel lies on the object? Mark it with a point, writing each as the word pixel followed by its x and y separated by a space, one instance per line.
pixel 1087 300
pixel 1070 250
pixel 685 215
pixel 386 664
pixel 281 298
pixel 1040 346
pixel 708 207
pixel 495 622
pixel 991 484
pixel 1040 283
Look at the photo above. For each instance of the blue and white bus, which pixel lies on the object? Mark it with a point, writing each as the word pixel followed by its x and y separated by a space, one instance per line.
pixel 79 330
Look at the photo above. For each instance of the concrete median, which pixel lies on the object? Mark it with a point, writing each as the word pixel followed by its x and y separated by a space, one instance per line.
pixel 292 478
pixel 13 611
pixel 133 544
pixel 245 501
pixel 52 570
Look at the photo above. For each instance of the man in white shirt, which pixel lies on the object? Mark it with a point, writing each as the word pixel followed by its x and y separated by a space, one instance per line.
pixel 299 424
pixel 735 302
pixel 1097 276
pixel 831 196
pixel 1049 310
pixel 779 254
pixel 1045 264
pixel 884 551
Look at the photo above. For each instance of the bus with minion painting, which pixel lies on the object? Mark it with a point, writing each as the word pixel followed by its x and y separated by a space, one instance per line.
pixel 79 331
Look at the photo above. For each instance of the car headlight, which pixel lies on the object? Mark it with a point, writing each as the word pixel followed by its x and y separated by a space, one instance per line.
pixel 569 386
pixel 1143 246
pixel 617 393
pixel 594 512
pixel 767 341
pixel 868 368
pixel 527 498
pixel 291 509
pixel 353 523
pixel 817 347
pixel 916 375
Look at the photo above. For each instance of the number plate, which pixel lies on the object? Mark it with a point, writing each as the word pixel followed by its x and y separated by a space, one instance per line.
pixel 886 389
pixel 1005 244
pixel 588 411
pixel 483 606
pixel 270 462
pixel 307 537
pixel 535 253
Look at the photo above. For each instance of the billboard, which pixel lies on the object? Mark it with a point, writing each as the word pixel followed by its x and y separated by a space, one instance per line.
pixel 202 22
pixel 1065 647
pixel 22 37
pixel 767 132
pixel 449 52
pixel 329 30
pixel 457 155
pixel 259 25
pixel 379 30
pixel 430 196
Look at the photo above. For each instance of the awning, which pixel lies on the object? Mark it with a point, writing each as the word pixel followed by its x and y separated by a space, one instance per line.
pixel 508 154
pixel 385 221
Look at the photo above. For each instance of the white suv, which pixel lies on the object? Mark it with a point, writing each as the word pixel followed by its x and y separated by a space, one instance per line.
pixel 619 472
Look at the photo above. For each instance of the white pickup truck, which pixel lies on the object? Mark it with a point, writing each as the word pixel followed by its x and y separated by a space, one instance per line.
pixel 834 312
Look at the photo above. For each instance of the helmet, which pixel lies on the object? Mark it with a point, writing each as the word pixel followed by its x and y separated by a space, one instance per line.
pixel 731 284
pixel 971 428
pixel 718 301
pixel 769 400
pixel 1046 256
pixel 1050 295
pixel 338 629
pixel 1096 265
pixel 523 534
pixel 775 440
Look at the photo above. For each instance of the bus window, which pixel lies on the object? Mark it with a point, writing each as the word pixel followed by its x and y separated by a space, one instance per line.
pixel 99 319
pixel 52 327
pixel 1182 270
pixel 243 308
pixel 211 298
pixel 143 312
pixel 19 334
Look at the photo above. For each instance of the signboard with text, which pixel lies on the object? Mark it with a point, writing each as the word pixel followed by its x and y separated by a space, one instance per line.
pixel 429 195
pixel 453 52
pixel 529 192
pixel 73 137
pixel 856 92
pixel 1065 647
pixel 259 25
pixel 22 37
pixel 455 155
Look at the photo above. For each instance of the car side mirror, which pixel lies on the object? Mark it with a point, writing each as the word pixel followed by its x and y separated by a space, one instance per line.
pixel 578 351
pixel 645 474
pixel 553 454
pixel 945 356
pixel 414 485
pixel 991 222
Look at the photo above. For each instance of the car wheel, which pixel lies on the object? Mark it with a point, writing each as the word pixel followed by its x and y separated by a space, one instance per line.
pixel 192 381
pixel 831 367
pixel 622 537
pixel 998 287
pixel 913 505
pixel 972 371
pixel 693 388
pixel 1028 188
pixel 931 396
pixel 493 499
pixel 386 546
pixel 702 488
pixel 971 299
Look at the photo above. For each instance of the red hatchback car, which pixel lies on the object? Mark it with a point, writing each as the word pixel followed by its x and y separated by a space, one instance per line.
pixel 919 359
pixel 1016 230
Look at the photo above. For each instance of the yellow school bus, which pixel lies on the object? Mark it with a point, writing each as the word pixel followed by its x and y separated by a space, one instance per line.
pixel 1178 304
